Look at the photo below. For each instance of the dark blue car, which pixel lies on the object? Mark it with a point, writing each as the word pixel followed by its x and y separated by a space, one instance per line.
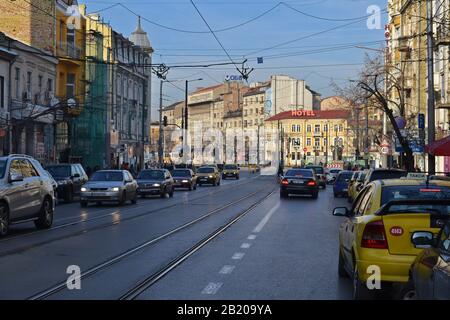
pixel 340 186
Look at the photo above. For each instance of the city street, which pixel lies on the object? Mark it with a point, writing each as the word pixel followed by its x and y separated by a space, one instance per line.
pixel 182 248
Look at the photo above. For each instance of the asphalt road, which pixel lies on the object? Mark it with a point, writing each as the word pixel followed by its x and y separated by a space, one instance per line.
pixel 270 249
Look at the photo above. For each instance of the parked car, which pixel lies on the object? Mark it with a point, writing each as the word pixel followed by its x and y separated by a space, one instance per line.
pixel 155 182
pixel 70 178
pixel 109 186
pixel 208 175
pixel 299 181
pixel 320 174
pixel 332 175
pixel 340 186
pixel 355 185
pixel 26 193
pixel 377 230
pixel 184 178
pixel 430 272
pixel 383 174
pixel 230 171
pixel 55 186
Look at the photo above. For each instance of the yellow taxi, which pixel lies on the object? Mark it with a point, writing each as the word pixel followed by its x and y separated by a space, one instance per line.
pixel 355 185
pixel 376 234
pixel 230 171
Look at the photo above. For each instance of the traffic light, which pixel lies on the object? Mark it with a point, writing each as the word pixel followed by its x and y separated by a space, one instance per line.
pixel 165 121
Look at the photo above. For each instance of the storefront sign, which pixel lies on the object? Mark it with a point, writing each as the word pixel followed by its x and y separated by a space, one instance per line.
pixel 303 113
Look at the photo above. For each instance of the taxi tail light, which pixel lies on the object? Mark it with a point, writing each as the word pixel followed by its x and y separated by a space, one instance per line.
pixel 312 183
pixel 284 182
pixel 374 236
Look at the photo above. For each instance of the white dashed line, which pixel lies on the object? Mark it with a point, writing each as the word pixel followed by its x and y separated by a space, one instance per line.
pixel 263 222
pixel 238 256
pixel 245 245
pixel 227 269
pixel 251 237
pixel 212 288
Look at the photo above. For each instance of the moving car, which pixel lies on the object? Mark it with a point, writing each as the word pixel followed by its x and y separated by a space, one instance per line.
pixel 430 272
pixel 184 178
pixel 332 174
pixel 26 193
pixel 378 174
pixel 320 174
pixel 110 186
pixel 70 178
pixel 377 230
pixel 208 175
pixel 155 182
pixel 340 186
pixel 230 171
pixel 299 181
pixel 355 185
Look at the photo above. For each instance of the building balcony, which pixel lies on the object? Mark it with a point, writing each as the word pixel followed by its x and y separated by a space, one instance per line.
pixel 69 50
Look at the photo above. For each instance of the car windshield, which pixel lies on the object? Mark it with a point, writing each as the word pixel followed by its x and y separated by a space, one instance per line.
pixel 206 170
pixel 299 173
pixel 380 175
pixel 230 167
pixel 59 171
pixel 181 173
pixel 2 168
pixel 414 192
pixel 344 176
pixel 107 176
pixel 151 175
pixel 318 170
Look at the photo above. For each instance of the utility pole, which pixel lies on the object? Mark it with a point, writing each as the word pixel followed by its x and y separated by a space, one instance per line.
pixel 185 129
pixel 430 109
pixel 160 139
pixel 366 143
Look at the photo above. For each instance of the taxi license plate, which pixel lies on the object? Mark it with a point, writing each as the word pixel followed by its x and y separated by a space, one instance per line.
pixel 98 194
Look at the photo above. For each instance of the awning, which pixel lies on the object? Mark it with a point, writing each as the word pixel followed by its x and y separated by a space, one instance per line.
pixel 439 147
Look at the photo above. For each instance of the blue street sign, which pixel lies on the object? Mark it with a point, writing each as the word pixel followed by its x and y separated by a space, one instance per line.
pixel 415 146
pixel 260 60
pixel 421 121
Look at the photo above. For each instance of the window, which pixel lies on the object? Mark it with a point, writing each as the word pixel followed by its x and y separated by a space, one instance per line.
pixel 298 128
pixel 308 142
pixel 17 83
pixel 293 128
pixel 317 142
pixel 49 85
pixel 29 75
pixel 40 83
pixel 317 128
pixel 70 85
pixel 14 168
pixel 2 92
pixel 28 170
pixel 336 127
pixel 308 128
pixel 256 111
pixel 341 128
pixel 325 127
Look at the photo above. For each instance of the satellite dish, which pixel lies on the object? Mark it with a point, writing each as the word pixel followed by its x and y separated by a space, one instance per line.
pixel 71 103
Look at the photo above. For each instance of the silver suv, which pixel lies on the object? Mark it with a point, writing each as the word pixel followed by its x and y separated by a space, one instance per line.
pixel 26 193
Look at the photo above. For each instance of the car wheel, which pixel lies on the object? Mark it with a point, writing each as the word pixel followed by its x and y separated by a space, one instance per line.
pixel 123 199
pixel 195 186
pixel 68 198
pixel 83 204
pixel 360 291
pixel 190 187
pixel 214 183
pixel 408 292
pixel 218 183
pixel 335 195
pixel 223 177
pixel 237 177
pixel 135 199
pixel 163 194
pixel 341 269
pixel 283 194
pixel 45 219
pixel 4 219
pixel 315 195
pixel 324 186
pixel 171 194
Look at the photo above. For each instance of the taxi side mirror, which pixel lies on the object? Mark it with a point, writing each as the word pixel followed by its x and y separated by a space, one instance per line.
pixel 422 239
pixel 341 212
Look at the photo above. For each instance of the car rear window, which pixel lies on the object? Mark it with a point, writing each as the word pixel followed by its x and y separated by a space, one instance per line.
pixel 318 170
pixel 206 170
pixel 428 208
pixel 414 192
pixel 299 173
pixel 380 175
pixel 59 171
pixel 181 173
pixel 344 176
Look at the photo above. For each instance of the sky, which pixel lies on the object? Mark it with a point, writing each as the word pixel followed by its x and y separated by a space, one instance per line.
pixel 314 40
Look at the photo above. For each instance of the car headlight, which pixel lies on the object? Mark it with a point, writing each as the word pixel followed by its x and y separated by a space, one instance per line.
pixel 115 189
pixel 210 176
pixel 156 185
pixel 83 189
pixel 185 181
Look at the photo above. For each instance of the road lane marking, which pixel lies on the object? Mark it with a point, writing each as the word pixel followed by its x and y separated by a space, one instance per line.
pixel 251 237
pixel 245 245
pixel 212 288
pixel 263 222
pixel 238 256
pixel 226 269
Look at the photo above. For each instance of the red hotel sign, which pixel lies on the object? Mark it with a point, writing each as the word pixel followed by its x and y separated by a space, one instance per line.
pixel 303 113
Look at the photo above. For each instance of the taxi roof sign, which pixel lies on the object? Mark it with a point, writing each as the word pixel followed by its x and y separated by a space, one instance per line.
pixel 416 176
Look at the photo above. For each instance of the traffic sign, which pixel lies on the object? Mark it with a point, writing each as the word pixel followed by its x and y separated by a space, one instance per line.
pixel 421 121
pixel 305 149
